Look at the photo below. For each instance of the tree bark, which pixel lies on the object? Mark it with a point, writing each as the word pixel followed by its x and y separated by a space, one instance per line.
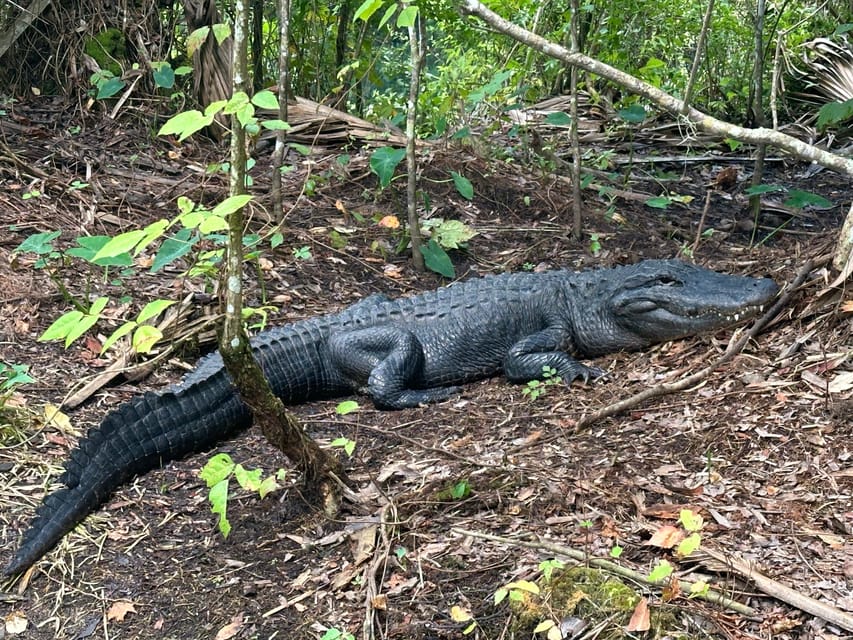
pixel 322 472
pixel 416 47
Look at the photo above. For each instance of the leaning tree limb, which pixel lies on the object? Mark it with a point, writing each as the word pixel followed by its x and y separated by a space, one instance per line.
pixel 733 349
pixel 759 135
pixel 777 590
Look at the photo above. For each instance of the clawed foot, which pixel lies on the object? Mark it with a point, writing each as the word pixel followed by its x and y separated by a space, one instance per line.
pixel 585 373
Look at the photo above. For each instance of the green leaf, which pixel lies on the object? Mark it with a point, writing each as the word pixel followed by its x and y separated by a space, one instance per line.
pixel 249 480
pixel 345 407
pixel 300 148
pixel 89 247
pixel 345 443
pixel 153 308
pixel 173 248
pixel 87 321
pixel 122 331
pixel 407 16
pixel 436 259
pixel 212 223
pixel 145 337
pixel 60 327
pixel 558 119
pixel 151 233
pixel 367 9
pixel 276 125
pixel 384 161
pixel 463 185
pixel 634 114
pixel 122 243
pixel 39 243
pixel 164 76
pixel 266 487
pixel 185 124
pixel 690 520
pixel 389 13
pixel 265 100
pixel 759 189
pixel 690 544
pixel 660 202
pixel 109 88
pixel 834 113
pixel 217 469
pixel 449 234
pixel 801 199
pixel 218 497
pixel 221 32
pixel 491 88
pixel 196 39
pixel 661 571
pixel 230 205
pixel 215 107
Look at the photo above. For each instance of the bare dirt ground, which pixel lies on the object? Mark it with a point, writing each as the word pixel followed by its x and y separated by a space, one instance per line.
pixel 762 448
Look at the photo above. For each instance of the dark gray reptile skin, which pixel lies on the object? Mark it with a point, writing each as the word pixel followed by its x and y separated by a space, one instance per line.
pixel 402 353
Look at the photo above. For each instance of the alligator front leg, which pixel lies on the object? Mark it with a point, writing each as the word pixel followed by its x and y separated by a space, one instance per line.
pixel 527 357
pixel 385 362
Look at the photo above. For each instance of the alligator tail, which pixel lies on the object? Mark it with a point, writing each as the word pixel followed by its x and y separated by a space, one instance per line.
pixel 138 436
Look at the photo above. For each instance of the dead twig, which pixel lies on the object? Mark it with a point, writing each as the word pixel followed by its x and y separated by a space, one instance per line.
pixel 610 567
pixel 781 592
pixel 680 385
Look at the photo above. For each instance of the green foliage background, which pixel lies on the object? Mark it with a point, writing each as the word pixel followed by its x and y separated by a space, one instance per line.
pixel 653 39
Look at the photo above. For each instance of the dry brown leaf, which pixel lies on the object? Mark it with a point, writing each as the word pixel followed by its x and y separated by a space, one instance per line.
pixel 15 622
pixel 666 537
pixel 380 602
pixel 842 382
pixel 640 620
pixel 119 610
pixel 847 306
pixel 55 418
pixel 231 629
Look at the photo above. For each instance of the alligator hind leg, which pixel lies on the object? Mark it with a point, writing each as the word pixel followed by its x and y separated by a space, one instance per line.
pixel 386 362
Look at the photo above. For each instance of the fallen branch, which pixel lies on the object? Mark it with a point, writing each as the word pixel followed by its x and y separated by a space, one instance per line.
pixel 781 592
pixel 662 99
pixel 610 567
pixel 680 385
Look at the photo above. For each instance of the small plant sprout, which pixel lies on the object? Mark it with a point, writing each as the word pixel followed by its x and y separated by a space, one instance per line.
pixel 516 591
pixel 463 616
pixel 347 406
pixel 344 443
pixel 547 567
pixel 302 253
pixel 337 634
pixel 536 388
pixel 217 474
pixel 12 376
pixel 594 244
pixel 663 569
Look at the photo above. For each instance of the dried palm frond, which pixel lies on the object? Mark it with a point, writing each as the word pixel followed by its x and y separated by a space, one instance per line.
pixel 826 74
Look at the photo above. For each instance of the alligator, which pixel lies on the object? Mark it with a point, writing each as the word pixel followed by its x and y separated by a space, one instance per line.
pixel 402 353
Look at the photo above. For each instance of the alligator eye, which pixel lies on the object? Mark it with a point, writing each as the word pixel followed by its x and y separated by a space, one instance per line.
pixel 668 281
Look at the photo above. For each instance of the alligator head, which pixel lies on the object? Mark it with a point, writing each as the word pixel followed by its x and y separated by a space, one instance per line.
pixel 661 300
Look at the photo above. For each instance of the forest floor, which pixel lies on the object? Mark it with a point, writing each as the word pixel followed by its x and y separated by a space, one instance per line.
pixel 762 448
